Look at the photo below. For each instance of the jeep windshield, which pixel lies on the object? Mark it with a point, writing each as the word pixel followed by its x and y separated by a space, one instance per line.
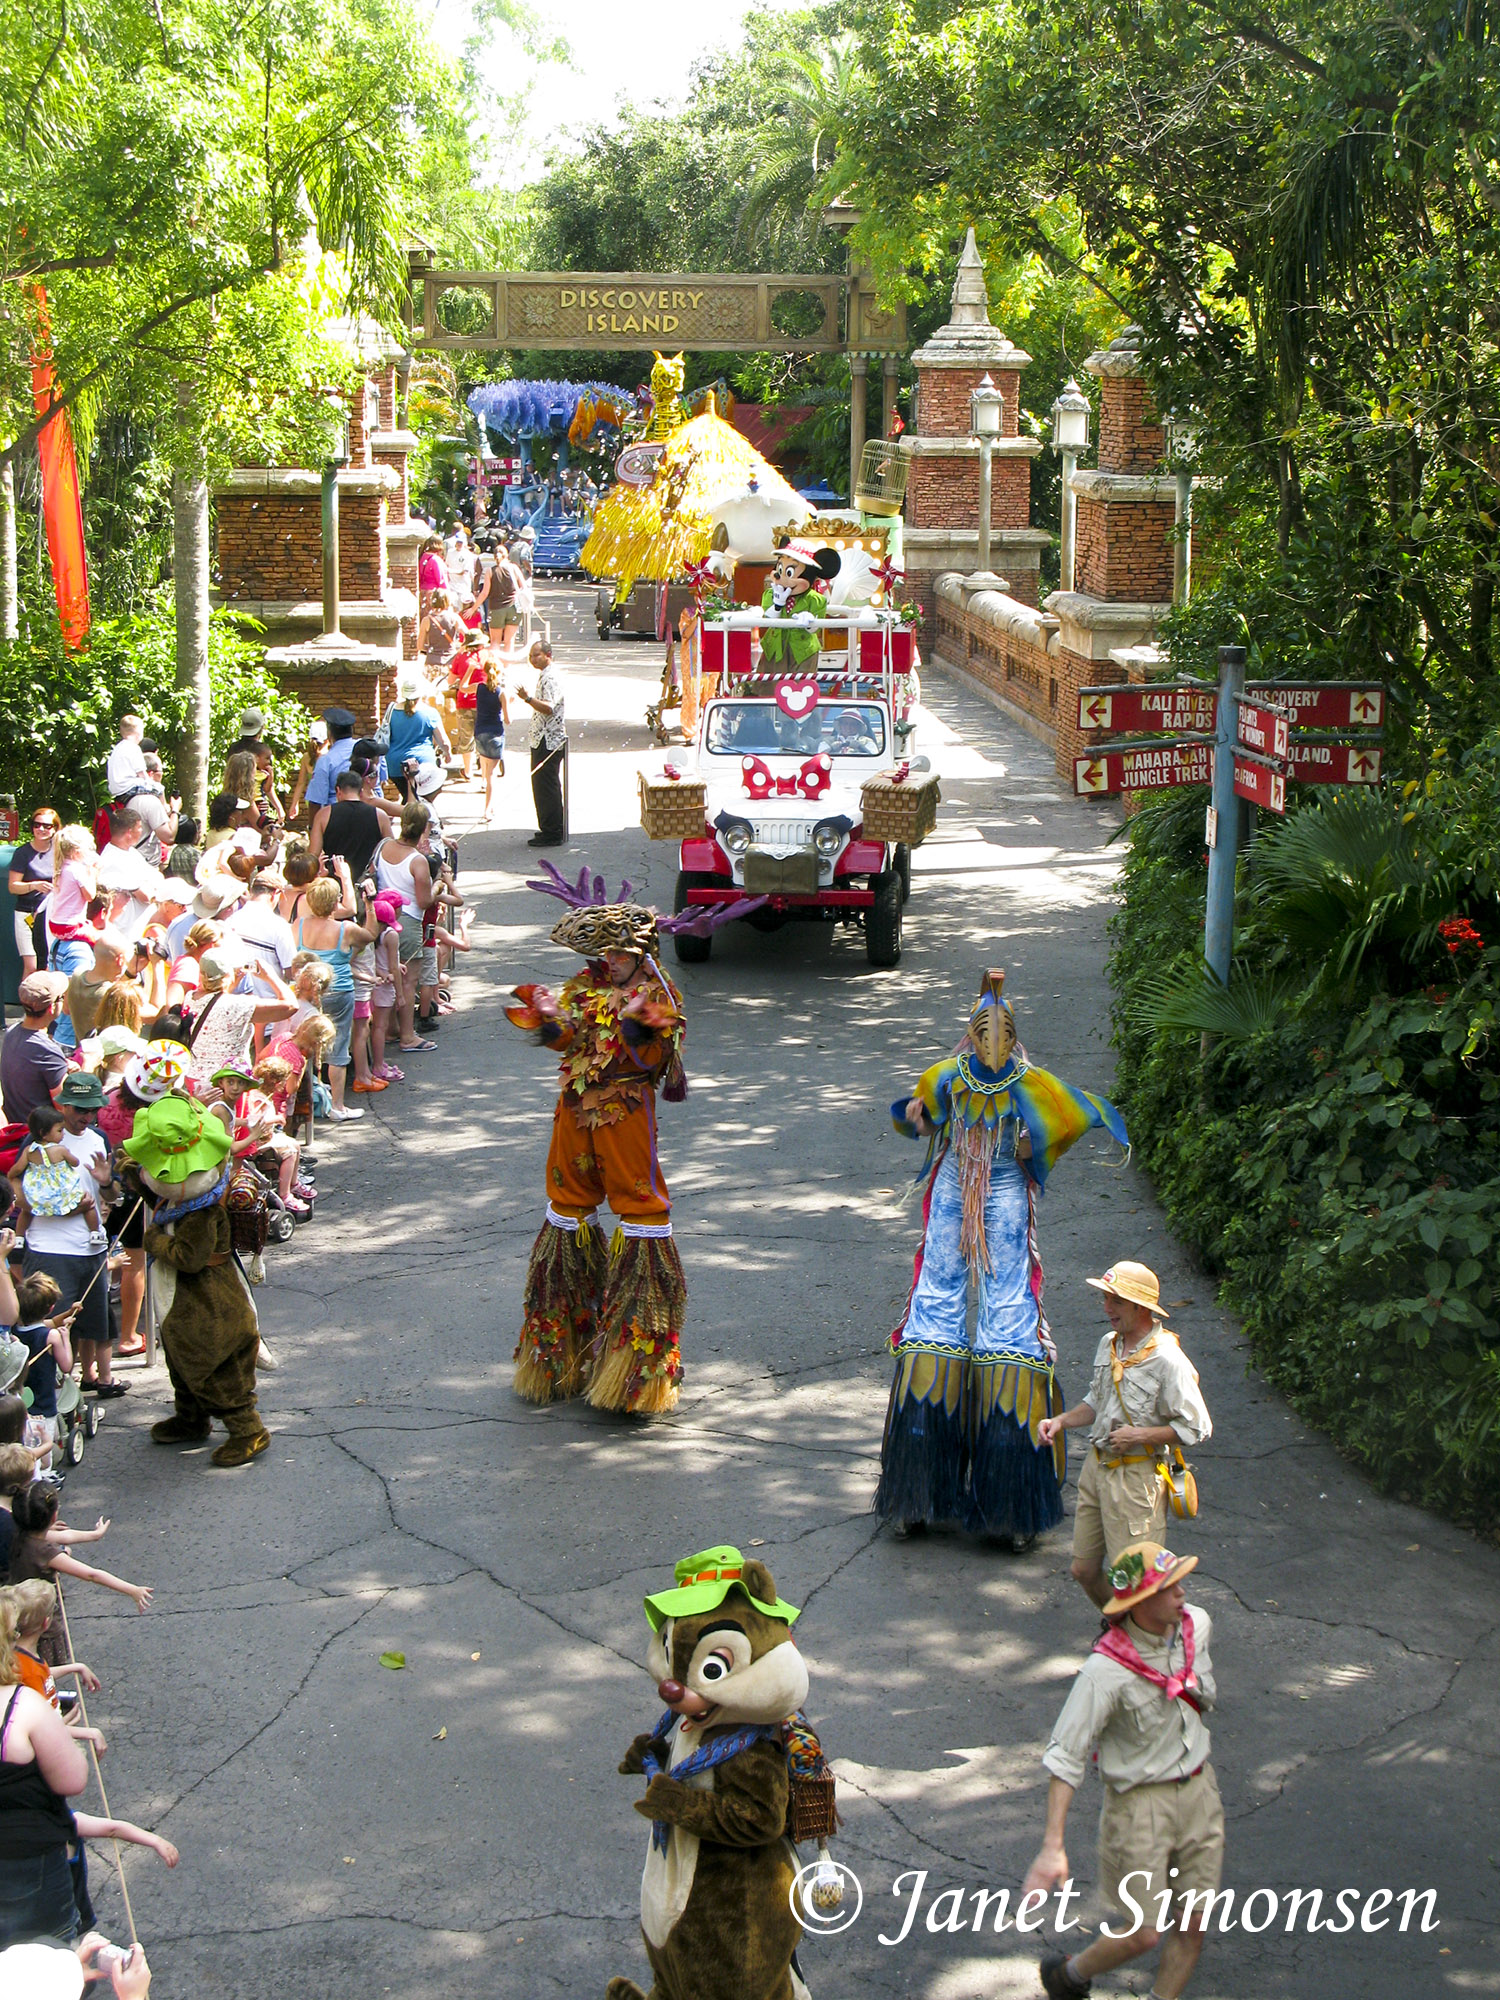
pixel 762 729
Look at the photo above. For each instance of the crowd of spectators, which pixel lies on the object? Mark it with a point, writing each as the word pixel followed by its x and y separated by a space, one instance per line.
pixel 290 969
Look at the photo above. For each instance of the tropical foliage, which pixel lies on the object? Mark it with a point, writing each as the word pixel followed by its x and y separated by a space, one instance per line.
pixel 1334 1156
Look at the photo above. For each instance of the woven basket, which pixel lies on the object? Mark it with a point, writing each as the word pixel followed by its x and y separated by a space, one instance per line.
pixel 674 809
pixel 905 812
pixel 249 1215
pixel 811 1813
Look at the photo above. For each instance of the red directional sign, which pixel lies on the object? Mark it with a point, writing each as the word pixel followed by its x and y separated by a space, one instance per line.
pixel 1267 731
pixel 1151 768
pixel 1334 763
pixel 1326 704
pixel 1260 782
pixel 1159 705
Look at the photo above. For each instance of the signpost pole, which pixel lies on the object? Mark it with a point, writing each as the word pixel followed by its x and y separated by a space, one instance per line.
pixel 1218 927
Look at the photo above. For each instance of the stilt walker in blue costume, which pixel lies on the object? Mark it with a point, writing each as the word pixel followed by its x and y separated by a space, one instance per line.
pixel 961 1439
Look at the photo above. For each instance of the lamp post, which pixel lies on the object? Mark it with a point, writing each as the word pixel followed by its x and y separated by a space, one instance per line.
pixel 986 406
pixel 1070 436
pixel 1182 448
pixel 338 456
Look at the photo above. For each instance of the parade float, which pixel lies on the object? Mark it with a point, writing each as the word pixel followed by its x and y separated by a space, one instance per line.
pixel 554 427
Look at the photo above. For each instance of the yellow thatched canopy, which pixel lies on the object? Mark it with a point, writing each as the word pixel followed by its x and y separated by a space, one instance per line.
pixel 655 531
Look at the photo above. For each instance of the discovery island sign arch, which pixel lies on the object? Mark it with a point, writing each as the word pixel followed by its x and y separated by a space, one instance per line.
pixel 611 311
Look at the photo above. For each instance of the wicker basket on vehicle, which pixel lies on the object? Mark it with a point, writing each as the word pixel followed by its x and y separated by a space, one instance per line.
pixel 905 812
pixel 674 808
pixel 249 1209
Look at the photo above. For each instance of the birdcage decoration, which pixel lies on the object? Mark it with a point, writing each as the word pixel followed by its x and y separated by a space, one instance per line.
pixel 883 470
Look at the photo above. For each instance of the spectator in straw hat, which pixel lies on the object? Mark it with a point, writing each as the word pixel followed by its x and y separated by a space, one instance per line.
pixel 1143 1402
pixel 1139 1698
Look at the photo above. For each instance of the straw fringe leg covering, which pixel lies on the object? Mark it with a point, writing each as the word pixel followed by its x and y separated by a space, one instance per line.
pixel 563 1282
pixel 638 1365
pixel 922 1457
pixel 1015 1481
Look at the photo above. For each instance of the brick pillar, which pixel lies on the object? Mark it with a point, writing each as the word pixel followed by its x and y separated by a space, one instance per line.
pixel 941 530
pixel 1123 552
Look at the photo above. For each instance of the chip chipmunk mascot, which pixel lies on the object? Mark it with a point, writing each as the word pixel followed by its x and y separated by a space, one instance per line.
pixel 796 589
pixel 210 1334
pixel 735 1777
pixel 962 1435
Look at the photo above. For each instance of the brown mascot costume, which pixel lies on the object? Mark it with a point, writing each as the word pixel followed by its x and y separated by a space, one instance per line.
pixel 209 1331
pixel 735 1775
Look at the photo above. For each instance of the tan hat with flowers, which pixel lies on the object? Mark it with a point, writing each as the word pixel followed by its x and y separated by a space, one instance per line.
pixel 1135 1282
pixel 1139 1571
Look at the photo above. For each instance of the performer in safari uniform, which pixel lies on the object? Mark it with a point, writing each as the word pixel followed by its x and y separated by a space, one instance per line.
pixel 962 1439
pixel 606 1322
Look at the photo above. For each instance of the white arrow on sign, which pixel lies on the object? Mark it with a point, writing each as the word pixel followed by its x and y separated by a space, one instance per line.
pixel 1364 767
pixel 1094 711
pixel 1366 708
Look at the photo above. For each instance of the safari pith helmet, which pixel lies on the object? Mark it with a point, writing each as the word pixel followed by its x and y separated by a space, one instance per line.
pixel 601 927
pixel 1139 1571
pixel 1135 1282
pixel 703 1582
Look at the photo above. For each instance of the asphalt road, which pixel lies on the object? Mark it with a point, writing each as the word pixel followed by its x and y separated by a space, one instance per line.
pixel 335 1841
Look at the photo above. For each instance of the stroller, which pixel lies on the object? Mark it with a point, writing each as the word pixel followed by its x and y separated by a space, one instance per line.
pixel 77 1420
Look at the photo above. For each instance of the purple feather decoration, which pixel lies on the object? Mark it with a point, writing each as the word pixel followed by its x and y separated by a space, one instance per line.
pixel 583 894
pixel 706 918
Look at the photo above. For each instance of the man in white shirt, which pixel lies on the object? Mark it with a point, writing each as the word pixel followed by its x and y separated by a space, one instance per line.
pixel 158 813
pixel 125 768
pixel 64 1246
pixel 135 886
pixel 264 932
pixel 1140 1697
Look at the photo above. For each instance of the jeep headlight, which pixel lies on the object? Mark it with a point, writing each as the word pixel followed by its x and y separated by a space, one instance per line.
pixel 737 837
pixel 828 838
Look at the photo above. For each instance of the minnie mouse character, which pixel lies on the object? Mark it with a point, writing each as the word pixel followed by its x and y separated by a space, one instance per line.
pixel 794 591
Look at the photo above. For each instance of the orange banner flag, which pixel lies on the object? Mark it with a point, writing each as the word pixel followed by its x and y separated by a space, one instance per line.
pixel 62 500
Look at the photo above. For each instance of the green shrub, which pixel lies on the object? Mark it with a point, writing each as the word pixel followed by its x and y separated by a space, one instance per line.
pixel 59 710
pixel 1337 1167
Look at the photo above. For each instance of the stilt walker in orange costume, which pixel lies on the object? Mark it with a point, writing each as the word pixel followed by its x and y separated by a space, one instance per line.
pixel 606 1322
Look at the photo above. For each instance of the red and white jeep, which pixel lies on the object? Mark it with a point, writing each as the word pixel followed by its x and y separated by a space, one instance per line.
pixel 783 755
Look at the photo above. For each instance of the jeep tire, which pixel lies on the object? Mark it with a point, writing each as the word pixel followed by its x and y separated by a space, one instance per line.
pixel 883 920
pixel 690 950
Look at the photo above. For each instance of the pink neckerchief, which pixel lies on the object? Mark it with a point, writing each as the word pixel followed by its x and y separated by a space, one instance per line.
pixel 1118 1645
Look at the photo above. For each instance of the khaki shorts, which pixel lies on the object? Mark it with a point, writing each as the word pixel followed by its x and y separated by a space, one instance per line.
pixel 1151 1828
pixel 1117 1505
pixel 461 729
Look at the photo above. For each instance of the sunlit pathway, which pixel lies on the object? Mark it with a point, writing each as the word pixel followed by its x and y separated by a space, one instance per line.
pixel 336 1842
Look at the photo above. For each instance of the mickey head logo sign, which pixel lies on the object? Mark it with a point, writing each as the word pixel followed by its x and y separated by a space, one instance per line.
pixel 797 698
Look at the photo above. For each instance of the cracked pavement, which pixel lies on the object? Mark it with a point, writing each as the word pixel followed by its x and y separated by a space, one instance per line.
pixel 409 1503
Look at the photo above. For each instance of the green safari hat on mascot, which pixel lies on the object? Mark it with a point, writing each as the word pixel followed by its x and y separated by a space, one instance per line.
pixel 703 1582
pixel 175 1138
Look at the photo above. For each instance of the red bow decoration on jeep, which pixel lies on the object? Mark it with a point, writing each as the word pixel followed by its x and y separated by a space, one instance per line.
pixel 811 782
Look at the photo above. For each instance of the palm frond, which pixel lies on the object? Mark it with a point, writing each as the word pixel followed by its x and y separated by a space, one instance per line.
pixel 1189 998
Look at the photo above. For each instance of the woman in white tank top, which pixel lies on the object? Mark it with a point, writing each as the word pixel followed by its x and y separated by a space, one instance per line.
pixel 400 867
